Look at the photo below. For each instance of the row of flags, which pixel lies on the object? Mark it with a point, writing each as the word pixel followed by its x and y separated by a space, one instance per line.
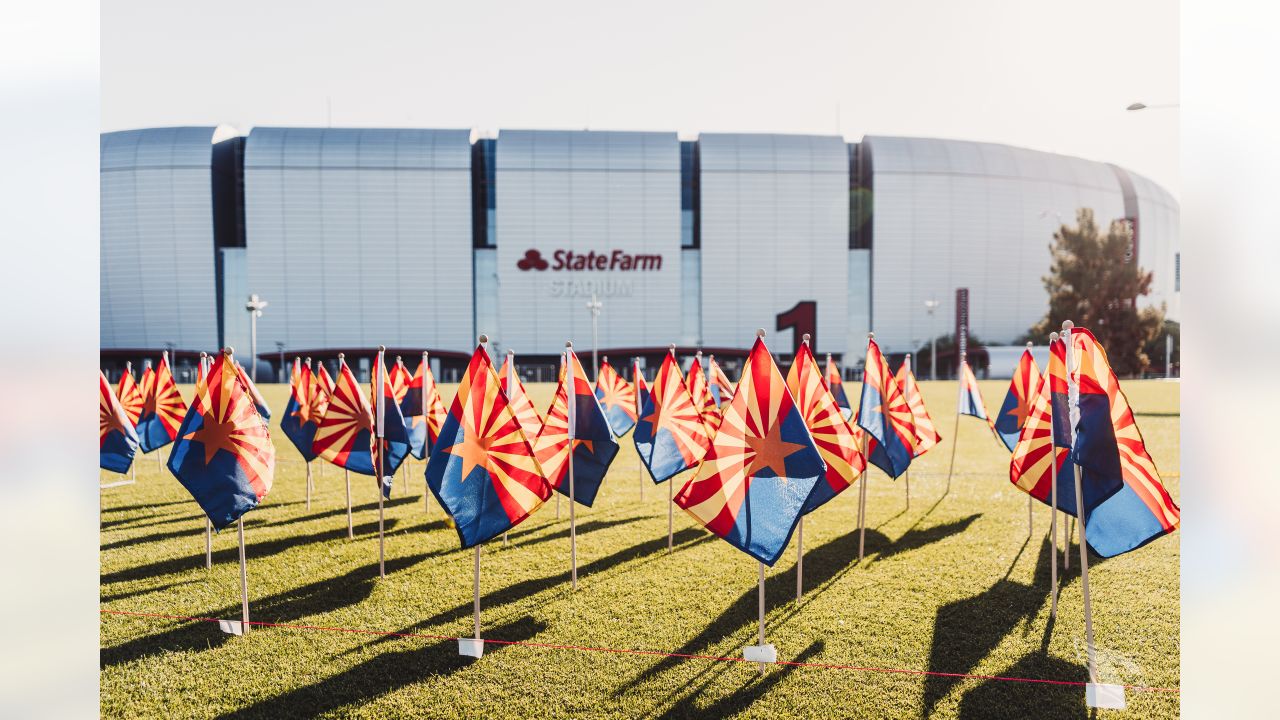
pixel 680 424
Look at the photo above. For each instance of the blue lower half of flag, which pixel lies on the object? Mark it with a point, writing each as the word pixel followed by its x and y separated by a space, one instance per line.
pixel 1007 422
pixel 589 467
pixel 620 422
pixel 472 501
pixel 221 487
pixel 768 516
pixel 661 455
pixel 151 433
pixel 301 434
pixel 117 451
pixel 1121 523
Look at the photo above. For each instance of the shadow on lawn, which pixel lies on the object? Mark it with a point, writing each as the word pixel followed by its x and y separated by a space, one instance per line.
pixel 249 524
pixel 317 598
pixel 1004 699
pixel 685 538
pixel 966 631
pixel 384 673
pixel 563 534
pixel 751 691
pixel 253 550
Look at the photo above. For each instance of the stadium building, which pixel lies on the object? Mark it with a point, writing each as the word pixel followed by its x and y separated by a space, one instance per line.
pixel 421 239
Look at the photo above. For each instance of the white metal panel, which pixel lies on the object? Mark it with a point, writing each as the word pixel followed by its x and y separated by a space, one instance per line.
pixel 360 237
pixel 584 192
pixel 775 232
pixel 157 251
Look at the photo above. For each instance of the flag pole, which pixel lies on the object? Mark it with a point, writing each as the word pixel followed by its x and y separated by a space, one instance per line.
pixel 379 426
pixel 426 423
pixel 955 434
pixel 761 612
pixel 911 374
pixel 1073 399
pixel 572 417
pixel 208 543
pixel 351 535
pixel 670 487
pixel 635 381
pixel 244 580
pixel 308 484
pixel 862 484
pixel 511 385
pixel 799 560
pixel 1053 505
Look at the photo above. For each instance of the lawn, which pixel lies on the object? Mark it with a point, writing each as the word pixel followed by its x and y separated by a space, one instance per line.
pixel 951 583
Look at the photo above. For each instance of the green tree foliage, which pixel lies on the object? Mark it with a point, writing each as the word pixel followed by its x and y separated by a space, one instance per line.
pixel 1094 282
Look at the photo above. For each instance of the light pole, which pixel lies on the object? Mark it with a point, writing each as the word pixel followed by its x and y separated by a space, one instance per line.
pixel 595 306
pixel 931 305
pixel 254 307
pixel 280 349
pixel 1134 107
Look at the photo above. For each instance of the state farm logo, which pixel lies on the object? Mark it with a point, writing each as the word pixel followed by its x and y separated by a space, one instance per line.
pixel 571 261
pixel 532 260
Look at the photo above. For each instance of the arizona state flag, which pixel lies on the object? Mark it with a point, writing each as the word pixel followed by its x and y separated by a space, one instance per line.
pixel 1046 434
pixel 484 472
pixel 129 395
pixel 223 455
pixel 1109 449
pixel 670 435
pixel 832 434
pixel 971 397
pixel 298 424
pixel 321 389
pixel 701 395
pixel 617 397
pixel 762 468
pixel 575 412
pixel 883 412
pixel 345 434
pixel 163 410
pixel 387 422
pixel 518 399
pixel 1017 402
pixel 721 388
pixel 117 440
pixel 836 382
pixel 923 431
pixel 423 410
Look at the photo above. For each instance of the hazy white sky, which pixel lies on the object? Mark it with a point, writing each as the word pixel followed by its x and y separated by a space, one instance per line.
pixel 1052 78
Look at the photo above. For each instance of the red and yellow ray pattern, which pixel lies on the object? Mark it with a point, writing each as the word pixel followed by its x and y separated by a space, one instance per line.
pixel 347 414
pixel 130 396
pixel 165 401
pixel 721 381
pixel 521 405
pixel 232 423
pixel 111 415
pixel 702 395
pixel 923 431
pixel 832 434
pixel 321 389
pixel 615 391
pixel 435 405
pixel 674 411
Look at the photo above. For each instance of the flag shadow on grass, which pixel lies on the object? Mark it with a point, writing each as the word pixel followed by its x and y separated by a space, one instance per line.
pixel 687 537
pixel 966 631
pixel 384 673
pixel 316 598
pixel 821 564
pixel 1004 699
pixel 751 691
pixel 256 523
pixel 253 550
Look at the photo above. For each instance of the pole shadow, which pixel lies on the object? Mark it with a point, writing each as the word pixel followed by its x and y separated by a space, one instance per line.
pixel 746 696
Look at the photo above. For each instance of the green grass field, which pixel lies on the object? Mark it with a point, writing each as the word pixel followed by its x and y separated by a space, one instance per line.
pixel 950 584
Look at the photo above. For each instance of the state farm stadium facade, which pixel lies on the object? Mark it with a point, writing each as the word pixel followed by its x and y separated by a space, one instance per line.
pixel 421 239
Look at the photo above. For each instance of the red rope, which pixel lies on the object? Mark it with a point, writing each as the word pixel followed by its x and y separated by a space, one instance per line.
pixel 661 653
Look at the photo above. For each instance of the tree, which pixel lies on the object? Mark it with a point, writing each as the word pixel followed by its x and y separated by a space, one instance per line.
pixel 1095 282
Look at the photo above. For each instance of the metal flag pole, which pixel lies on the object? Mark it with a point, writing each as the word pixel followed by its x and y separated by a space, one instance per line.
pixel 635 381
pixel 1073 402
pixel 910 374
pixel 572 413
pixel 164 354
pixel 955 434
pixel 244 579
pixel 799 558
pixel 308 464
pixel 1053 504
pixel 380 408
pixel 476 594
pixel 671 492
pixel 762 612
pixel 351 535
pixel 1066 542
pixel 426 421
pixel 133 466
pixel 511 386
pixel 562 361
pixel 862 481
pixel 208 543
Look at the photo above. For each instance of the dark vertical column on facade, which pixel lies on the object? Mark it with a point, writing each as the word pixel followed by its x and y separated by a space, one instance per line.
pixel 228 211
pixel 860 196
pixel 1130 197
pixel 483 194
pixel 690 195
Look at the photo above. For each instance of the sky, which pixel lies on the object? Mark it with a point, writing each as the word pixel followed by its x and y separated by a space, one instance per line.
pixel 1054 77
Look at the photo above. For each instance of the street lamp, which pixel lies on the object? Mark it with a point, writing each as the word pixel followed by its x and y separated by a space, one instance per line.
pixel 931 305
pixel 280 349
pixel 1133 107
pixel 254 307
pixel 595 306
